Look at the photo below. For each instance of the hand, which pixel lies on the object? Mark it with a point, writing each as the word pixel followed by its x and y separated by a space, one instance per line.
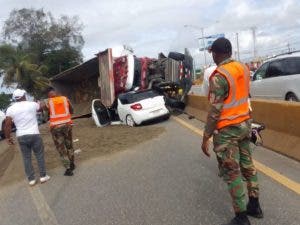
pixel 205 146
pixel 10 141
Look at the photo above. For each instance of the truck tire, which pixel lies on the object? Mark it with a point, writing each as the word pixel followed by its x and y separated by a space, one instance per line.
pixel 176 56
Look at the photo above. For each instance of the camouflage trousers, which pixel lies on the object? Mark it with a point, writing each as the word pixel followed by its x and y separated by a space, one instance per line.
pixel 62 137
pixel 234 156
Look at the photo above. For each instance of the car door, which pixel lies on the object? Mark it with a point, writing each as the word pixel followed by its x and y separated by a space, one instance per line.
pixel 274 79
pixel 100 113
pixel 267 80
pixel 291 85
pixel 257 84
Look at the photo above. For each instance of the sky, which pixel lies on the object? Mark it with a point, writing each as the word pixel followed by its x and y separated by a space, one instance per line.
pixel 150 27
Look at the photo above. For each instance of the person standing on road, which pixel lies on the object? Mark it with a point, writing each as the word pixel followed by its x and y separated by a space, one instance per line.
pixel 228 123
pixel 60 110
pixel 207 73
pixel 23 114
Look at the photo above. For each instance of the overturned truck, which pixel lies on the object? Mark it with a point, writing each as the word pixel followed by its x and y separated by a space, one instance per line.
pixel 118 70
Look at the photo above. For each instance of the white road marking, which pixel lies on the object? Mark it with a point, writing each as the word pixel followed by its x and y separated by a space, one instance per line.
pixel 45 213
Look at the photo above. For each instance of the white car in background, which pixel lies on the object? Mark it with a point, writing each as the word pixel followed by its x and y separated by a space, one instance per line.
pixel 131 108
pixel 278 78
pixel 2 119
pixel 2 124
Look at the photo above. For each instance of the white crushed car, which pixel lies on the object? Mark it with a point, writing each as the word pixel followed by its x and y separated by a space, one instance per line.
pixel 131 108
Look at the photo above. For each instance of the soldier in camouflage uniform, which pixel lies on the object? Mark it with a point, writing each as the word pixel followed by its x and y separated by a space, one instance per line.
pixel 61 131
pixel 231 143
pixel 62 137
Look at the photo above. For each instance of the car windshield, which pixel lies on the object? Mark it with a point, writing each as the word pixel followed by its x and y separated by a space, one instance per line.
pixel 132 97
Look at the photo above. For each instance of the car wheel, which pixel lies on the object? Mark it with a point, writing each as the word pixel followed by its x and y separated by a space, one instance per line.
pixel 291 97
pixel 129 121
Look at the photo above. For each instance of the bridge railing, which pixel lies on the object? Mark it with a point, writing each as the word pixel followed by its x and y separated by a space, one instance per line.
pixel 282 120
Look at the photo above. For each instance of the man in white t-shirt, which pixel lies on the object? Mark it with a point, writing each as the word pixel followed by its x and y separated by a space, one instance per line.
pixel 23 114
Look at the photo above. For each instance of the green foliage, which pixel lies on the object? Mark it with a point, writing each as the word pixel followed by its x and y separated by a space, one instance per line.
pixel 18 68
pixel 61 60
pixel 55 43
pixel 38 46
pixel 4 100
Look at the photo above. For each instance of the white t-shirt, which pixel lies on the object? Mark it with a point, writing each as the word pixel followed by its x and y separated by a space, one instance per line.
pixel 207 73
pixel 24 116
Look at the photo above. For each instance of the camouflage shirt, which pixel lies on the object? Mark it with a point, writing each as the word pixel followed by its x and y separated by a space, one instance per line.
pixel 219 89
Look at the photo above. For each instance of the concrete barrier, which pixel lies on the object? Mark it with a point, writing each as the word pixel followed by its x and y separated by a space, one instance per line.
pixel 281 118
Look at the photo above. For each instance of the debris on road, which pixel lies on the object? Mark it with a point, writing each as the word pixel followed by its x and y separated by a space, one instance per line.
pixel 77 151
pixel 255 133
pixel 94 143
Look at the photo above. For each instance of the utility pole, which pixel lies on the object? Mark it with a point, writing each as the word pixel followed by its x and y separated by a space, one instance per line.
pixel 254 41
pixel 203 43
pixel 237 46
pixel 289 47
pixel 202 37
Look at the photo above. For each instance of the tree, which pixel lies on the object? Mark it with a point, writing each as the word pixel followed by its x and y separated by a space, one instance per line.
pixel 56 43
pixel 60 60
pixel 16 66
pixel 4 100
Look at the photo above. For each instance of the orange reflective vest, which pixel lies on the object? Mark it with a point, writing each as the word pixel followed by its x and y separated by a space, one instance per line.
pixel 59 111
pixel 236 108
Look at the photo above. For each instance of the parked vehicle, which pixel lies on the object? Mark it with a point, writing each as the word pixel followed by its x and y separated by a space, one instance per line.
pixel 278 78
pixel 131 108
pixel 42 117
pixel 2 123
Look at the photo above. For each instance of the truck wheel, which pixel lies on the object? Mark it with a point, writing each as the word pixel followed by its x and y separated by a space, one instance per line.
pixel 176 56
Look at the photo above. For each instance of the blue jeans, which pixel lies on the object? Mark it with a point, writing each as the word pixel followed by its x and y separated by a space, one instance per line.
pixel 33 143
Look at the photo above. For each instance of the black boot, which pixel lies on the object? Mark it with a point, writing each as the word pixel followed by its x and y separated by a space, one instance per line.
pixel 72 166
pixel 239 219
pixel 253 208
pixel 68 172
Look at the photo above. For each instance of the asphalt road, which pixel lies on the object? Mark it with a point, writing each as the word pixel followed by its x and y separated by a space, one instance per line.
pixel 165 181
